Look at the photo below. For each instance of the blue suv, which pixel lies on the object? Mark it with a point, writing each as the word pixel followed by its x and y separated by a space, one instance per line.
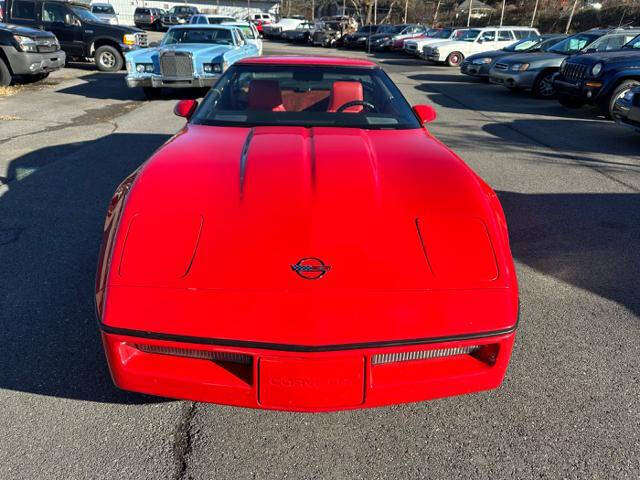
pixel 599 78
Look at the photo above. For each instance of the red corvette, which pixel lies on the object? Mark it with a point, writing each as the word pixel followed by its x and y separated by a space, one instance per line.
pixel 304 243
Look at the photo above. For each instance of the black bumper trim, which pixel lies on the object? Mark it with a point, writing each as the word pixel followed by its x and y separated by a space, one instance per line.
pixel 301 348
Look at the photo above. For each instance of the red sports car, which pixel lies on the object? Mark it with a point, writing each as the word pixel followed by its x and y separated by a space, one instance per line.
pixel 304 243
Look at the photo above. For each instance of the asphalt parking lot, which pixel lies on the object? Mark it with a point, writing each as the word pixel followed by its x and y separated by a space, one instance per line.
pixel 569 182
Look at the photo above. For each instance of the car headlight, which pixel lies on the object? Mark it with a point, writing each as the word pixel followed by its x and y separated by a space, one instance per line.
pixel 519 67
pixel 144 67
pixel 129 39
pixel 597 68
pixel 482 61
pixel 213 67
pixel 26 44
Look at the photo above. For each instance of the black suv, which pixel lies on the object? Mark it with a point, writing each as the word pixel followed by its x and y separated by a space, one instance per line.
pixel 599 78
pixel 81 34
pixel 27 52
pixel 178 15
pixel 148 17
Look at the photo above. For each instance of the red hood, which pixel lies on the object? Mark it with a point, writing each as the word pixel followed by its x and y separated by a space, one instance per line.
pixel 233 208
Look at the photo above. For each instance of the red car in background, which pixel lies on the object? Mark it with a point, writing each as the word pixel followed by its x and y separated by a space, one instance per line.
pixel 398 44
pixel 304 243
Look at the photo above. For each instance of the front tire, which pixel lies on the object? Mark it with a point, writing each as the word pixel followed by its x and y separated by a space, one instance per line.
pixel 543 86
pixel 108 59
pixel 618 92
pixel 454 59
pixel 5 74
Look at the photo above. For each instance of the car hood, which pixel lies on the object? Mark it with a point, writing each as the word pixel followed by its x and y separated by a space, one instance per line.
pixel 25 31
pixel 611 57
pixel 537 57
pixel 491 54
pixel 108 29
pixel 218 217
pixel 357 35
pixel 197 50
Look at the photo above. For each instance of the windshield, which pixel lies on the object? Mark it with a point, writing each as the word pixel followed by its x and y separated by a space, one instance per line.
pixel 634 44
pixel 102 9
pixel 572 44
pixel 469 35
pixel 306 96
pixel 196 35
pixel 247 32
pixel 523 45
pixel 85 14
pixel 444 33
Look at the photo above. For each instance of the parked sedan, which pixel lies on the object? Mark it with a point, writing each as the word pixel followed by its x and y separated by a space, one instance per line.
pixel 535 71
pixel 301 34
pixel 358 39
pixel 386 35
pixel 189 56
pixel 305 243
pixel 478 65
pixel 105 12
pixel 626 109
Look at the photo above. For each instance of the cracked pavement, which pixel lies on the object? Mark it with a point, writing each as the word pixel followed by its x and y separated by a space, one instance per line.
pixel 569 406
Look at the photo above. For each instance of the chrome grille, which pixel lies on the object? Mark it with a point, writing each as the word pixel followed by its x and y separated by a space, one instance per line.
pixel 501 66
pixel 412 46
pixel 574 71
pixel 46 45
pixel 142 39
pixel 176 64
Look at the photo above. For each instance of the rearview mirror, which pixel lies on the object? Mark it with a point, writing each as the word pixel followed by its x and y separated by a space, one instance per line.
pixel 426 113
pixel 185 108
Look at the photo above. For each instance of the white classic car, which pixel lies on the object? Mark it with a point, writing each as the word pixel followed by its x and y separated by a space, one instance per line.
pixel 475 40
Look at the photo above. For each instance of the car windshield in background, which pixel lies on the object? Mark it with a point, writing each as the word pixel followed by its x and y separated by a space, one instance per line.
pixel 247 32
pixel 523 45
pixel 103 9
pixel 195 35
pixel 634 44
pixel 572 44
pixel 306 96
pixel 444 33
pixel 469 35
pixel 85 14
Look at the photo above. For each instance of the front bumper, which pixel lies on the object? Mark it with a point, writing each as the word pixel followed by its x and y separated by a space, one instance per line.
pixel 157 81
pixel 587 91
pixel 22 63
pixel 626 114
pixel 513 79
pixel 476 70
pixel 357 43
pixel 296 379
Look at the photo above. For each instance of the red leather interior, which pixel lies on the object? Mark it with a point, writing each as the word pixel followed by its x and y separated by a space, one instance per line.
pixel 265 95
pixel 301 101
pixel 343 92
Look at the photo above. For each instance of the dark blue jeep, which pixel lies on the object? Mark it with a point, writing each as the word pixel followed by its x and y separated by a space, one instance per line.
pixel 599 78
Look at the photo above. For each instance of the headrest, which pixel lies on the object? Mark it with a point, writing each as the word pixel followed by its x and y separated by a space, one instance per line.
pixel 344 92
pixel 265 95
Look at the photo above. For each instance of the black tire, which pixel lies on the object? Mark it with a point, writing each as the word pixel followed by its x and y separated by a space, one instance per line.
pixel 108 59
pixel 5 74
pixel 454 59
pixel 570 102
pixel 543 87
pixel 152 93
pixel 618 92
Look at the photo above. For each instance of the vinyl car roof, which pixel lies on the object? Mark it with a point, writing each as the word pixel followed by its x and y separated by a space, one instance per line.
pixel 299 60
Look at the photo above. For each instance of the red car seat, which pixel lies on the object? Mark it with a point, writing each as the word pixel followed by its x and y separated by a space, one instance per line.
pixel 265 95
pixel 343 92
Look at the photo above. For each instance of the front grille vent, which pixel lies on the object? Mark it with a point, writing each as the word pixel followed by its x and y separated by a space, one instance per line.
pixel 501 66
pixel 142 39
pixel 574 71
pixel 176 65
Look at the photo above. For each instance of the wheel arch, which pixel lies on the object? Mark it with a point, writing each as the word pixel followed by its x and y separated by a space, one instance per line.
pixel 102 41
pixel 618 79
pixel 5 59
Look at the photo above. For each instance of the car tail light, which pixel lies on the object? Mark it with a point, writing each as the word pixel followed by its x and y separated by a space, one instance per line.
pixel 192 353
pixel 484 353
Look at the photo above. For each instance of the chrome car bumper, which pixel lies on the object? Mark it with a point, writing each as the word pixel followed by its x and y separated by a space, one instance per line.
pixel 157 81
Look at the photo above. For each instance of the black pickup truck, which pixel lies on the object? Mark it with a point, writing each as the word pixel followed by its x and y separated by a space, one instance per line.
pixel 28 53
pixel 81 34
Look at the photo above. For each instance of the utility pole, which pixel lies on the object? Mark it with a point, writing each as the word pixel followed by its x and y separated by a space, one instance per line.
pixel 535 10
pixel 469 16
pixel 435 15
pixel 313 9
pixel 406 9
pixel 502 14
pixel 344 7
pixel 575 3
pixel 375 12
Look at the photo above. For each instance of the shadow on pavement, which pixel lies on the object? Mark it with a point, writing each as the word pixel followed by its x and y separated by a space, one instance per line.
pixel 50 233
pixel 588 240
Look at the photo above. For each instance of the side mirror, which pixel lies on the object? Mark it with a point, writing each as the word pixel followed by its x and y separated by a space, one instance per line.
pixel 185 108
pixel 426 113
pixel 480 40
pixel 154 44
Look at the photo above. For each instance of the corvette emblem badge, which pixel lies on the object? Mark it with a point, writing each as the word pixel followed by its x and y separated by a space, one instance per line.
pixel 310 268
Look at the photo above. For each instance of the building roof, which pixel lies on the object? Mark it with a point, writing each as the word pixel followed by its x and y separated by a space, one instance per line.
pixel 300 60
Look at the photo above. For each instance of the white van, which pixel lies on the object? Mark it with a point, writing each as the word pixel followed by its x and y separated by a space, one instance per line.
pixel 476 40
